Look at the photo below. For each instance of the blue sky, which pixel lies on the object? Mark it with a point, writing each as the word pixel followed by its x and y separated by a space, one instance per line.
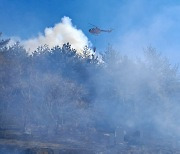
pixel 136 23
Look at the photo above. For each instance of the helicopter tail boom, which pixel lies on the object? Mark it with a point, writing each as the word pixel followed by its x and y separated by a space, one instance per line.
pixel 106 30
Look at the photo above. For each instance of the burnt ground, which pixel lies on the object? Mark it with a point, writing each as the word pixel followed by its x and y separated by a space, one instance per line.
pixel 17 142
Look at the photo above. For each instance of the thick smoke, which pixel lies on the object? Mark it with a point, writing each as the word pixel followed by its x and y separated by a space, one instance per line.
pixel 61 96
pixel 61 33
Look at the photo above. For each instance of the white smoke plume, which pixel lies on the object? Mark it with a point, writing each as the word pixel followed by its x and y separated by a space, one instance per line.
pixel 61 33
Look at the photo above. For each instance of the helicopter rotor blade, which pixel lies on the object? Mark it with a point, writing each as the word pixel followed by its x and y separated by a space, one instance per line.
pixel 93 25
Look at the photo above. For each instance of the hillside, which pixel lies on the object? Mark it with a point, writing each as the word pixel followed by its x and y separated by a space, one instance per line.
pixel 55 95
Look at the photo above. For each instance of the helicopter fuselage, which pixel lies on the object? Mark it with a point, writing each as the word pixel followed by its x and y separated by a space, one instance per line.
pixel 95 31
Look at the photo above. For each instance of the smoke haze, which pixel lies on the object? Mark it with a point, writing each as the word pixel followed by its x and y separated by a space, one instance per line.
pixel 57 95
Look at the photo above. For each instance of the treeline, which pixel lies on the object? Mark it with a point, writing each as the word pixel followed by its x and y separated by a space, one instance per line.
pixel 59 88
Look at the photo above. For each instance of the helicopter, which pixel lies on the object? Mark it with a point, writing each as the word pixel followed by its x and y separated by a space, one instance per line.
pixel 96 30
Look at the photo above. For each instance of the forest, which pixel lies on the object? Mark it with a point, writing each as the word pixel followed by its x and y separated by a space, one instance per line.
pixel 58 92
